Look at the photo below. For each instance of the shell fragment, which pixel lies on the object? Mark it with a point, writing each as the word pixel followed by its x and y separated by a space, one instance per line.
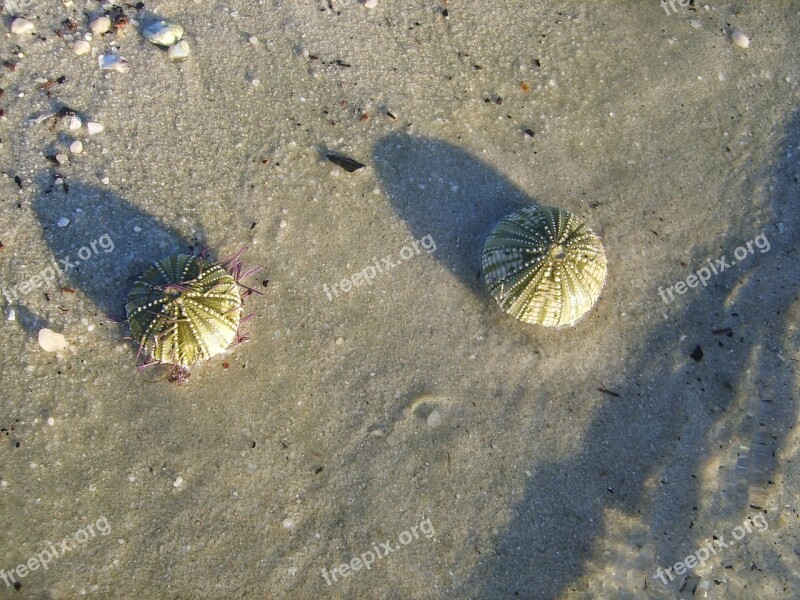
pixel 163 33
pixel 178 51
pixel 94 128
pixel 22 26
pixel 50 341
pixel 112 62
pixel 100 25
pixel 81 47
pixel 740 39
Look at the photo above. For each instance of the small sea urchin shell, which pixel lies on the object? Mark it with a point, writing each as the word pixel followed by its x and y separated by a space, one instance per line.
pixel 184 309
pixel 544 266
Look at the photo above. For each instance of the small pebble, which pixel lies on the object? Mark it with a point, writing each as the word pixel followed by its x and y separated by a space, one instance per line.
pixel 105 180
pixel 370 3
pixel 253 40
pixel 51 421
pixel 137 229
pixel 288 523
pixel 63 222
pixel 434 419
pixel 178 482
pixel 81 47
pixel 61 159
pixel 179 51
pixel 112 62
pixel 22 26
pixel 163 33
pixel 256 82
pixel 100 25
pixel 94 128
pixel 740 39
pixel 50 341
pixel 11 315
pixel 76 147
pixel 75 123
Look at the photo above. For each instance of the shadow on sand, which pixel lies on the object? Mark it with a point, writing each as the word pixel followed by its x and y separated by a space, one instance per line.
pixel 456 199
pixel 107 243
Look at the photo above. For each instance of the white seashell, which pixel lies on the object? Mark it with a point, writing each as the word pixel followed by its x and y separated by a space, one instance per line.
pixel 178 51
pixel 94 128
pixel 62 159
pixel 112 62
pixel 50 341
pixel 75 123
pixel 22 26
pixel 100 25
pixel 740 39
pixel 163 33
pixel 11 315
pixel 370 3
pixel 76 147
pixel 81 47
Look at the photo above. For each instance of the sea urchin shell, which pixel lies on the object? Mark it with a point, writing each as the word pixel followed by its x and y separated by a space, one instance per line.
pixel 544 266
pixel 184 309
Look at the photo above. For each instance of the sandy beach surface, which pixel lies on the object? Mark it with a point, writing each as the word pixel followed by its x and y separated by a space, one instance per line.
pixel 397 435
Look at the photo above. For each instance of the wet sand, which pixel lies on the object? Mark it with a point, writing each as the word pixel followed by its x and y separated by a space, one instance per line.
pixel 495 459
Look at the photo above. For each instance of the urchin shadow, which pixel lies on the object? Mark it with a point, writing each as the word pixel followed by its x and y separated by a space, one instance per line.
pixel 445 192
pixel 108 240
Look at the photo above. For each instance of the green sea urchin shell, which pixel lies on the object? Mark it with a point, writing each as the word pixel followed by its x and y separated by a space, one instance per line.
pixel 184 309
pixel 544 266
